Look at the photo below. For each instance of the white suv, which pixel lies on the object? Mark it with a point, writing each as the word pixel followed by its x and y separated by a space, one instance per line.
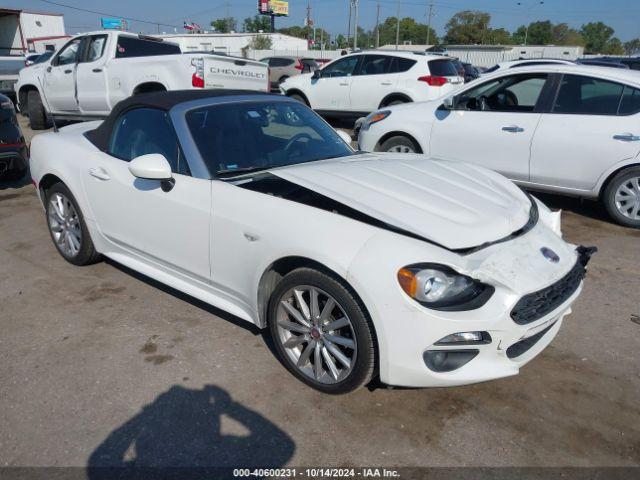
pixel 357 84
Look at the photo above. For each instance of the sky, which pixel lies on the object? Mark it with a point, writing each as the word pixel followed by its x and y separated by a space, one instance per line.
pixel 622 15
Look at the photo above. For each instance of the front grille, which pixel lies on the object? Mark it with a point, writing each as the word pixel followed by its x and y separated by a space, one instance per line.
pixel 536 305
pixel 523 346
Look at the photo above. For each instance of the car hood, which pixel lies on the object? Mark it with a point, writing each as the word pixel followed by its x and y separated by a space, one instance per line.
pixel 454 204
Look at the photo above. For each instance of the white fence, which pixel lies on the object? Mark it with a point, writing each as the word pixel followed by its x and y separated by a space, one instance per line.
pixel 478 57
pixel 323 54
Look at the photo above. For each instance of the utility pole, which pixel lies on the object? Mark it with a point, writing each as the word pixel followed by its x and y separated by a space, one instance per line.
pixel 398 26
pixel 355 27
pixel 349 27
pixel 378 25
pixel 309 23
pixel 227 12
pixel 429 22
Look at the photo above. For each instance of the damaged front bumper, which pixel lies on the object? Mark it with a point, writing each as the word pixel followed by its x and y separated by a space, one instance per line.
pixel 421 347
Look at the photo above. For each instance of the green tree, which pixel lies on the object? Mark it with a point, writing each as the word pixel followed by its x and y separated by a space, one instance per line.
pixel 498 36
pixel 256 24
pixel 564 35
pixel 224 25
pixel 410 31
pixel 260 42
pixel 467 27
pixel 613 47
pixel 598 37
pixel 632 46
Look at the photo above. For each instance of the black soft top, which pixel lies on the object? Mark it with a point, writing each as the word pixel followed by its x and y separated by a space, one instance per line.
pixel 159 100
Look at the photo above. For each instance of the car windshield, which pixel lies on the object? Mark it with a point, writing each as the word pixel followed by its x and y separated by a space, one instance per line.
pixel 244 137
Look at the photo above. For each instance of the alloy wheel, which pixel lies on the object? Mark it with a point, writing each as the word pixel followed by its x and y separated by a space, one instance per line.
pixel 64 225
pixel 401 149
pixel 627 198
pixel 316 334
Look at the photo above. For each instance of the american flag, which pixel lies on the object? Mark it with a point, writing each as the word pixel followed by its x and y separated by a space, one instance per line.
pixel 191 26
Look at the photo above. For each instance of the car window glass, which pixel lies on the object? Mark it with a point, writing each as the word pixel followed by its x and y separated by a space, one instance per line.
pixel 96 47
pixel 375 64
pixel 443 68
pixel 586 95
pixel 147 130
pixel 139 47
pixel 630 102
pixel 399 64
pixel 516 93
pixel 236 137
pixel 69 54
pixel 341 68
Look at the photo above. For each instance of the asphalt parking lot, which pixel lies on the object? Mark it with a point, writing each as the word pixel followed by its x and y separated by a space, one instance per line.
pixel 101 366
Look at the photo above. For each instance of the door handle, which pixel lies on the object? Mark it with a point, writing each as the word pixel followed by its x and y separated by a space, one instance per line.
pixel 99 173
pixel 96 70
pixel 68 71
pixel 627 137
pixel 385 83
pixel 513 129
pixel 344 84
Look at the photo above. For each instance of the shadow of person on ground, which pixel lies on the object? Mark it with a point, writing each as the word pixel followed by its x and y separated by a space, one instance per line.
pixel 179 436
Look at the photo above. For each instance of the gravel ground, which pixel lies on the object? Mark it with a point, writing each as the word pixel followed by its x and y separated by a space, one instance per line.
pixel 101 366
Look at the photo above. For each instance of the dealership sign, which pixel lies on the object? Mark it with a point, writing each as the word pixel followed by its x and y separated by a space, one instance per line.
pixel 113 23
pixel 277 8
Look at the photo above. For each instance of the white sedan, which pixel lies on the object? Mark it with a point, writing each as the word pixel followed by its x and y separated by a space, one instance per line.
pixel 424 273
pixel 567 129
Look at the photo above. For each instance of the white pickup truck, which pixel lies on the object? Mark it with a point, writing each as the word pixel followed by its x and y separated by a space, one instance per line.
pixel 94 71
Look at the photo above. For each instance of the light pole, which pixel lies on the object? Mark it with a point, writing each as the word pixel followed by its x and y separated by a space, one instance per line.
pixel 398 26
pixel 355 27
pixel 526 31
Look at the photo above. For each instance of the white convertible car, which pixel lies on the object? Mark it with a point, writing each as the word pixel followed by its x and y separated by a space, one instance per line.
pixel 424 273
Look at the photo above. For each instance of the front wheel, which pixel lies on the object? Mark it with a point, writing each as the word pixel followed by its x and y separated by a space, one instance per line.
pixel 67 227
pixel 37 115
pixel 399 144
pixel 298 98
pixel 321 332
pixel 622 197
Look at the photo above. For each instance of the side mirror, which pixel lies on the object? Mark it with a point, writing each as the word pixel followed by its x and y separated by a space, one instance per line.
pixel 316 74
pixel 448 103
pixel 153 166
pixel 344 136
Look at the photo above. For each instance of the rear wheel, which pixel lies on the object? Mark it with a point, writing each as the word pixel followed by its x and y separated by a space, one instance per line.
pixel 622 197
pixel 399 144
pixel 298 98
pixel 67 227
pixel 37 114
pixel 321 332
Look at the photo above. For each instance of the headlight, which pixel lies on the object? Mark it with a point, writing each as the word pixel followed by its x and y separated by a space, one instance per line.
pixel 374 117
pixel 441 288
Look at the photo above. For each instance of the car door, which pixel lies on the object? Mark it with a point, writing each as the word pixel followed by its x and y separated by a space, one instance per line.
pixel 331 90
pixel 594 124
pixel 374 82
pixel 91 77
pixel 60 78
pixel 492 124
pixel 166 229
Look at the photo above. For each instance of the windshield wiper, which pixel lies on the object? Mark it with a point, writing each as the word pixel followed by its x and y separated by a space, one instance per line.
pixel 232 172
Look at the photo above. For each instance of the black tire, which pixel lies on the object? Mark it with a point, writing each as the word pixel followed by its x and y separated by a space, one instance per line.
pixel 397 101
pixel 37 114
pixel 298 98
pixel 609 196
pixel 362 372
pixel 399 144
pixel 86 254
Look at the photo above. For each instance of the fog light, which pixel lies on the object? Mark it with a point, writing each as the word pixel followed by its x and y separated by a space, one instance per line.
pixel 465 338
pixel 447 360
